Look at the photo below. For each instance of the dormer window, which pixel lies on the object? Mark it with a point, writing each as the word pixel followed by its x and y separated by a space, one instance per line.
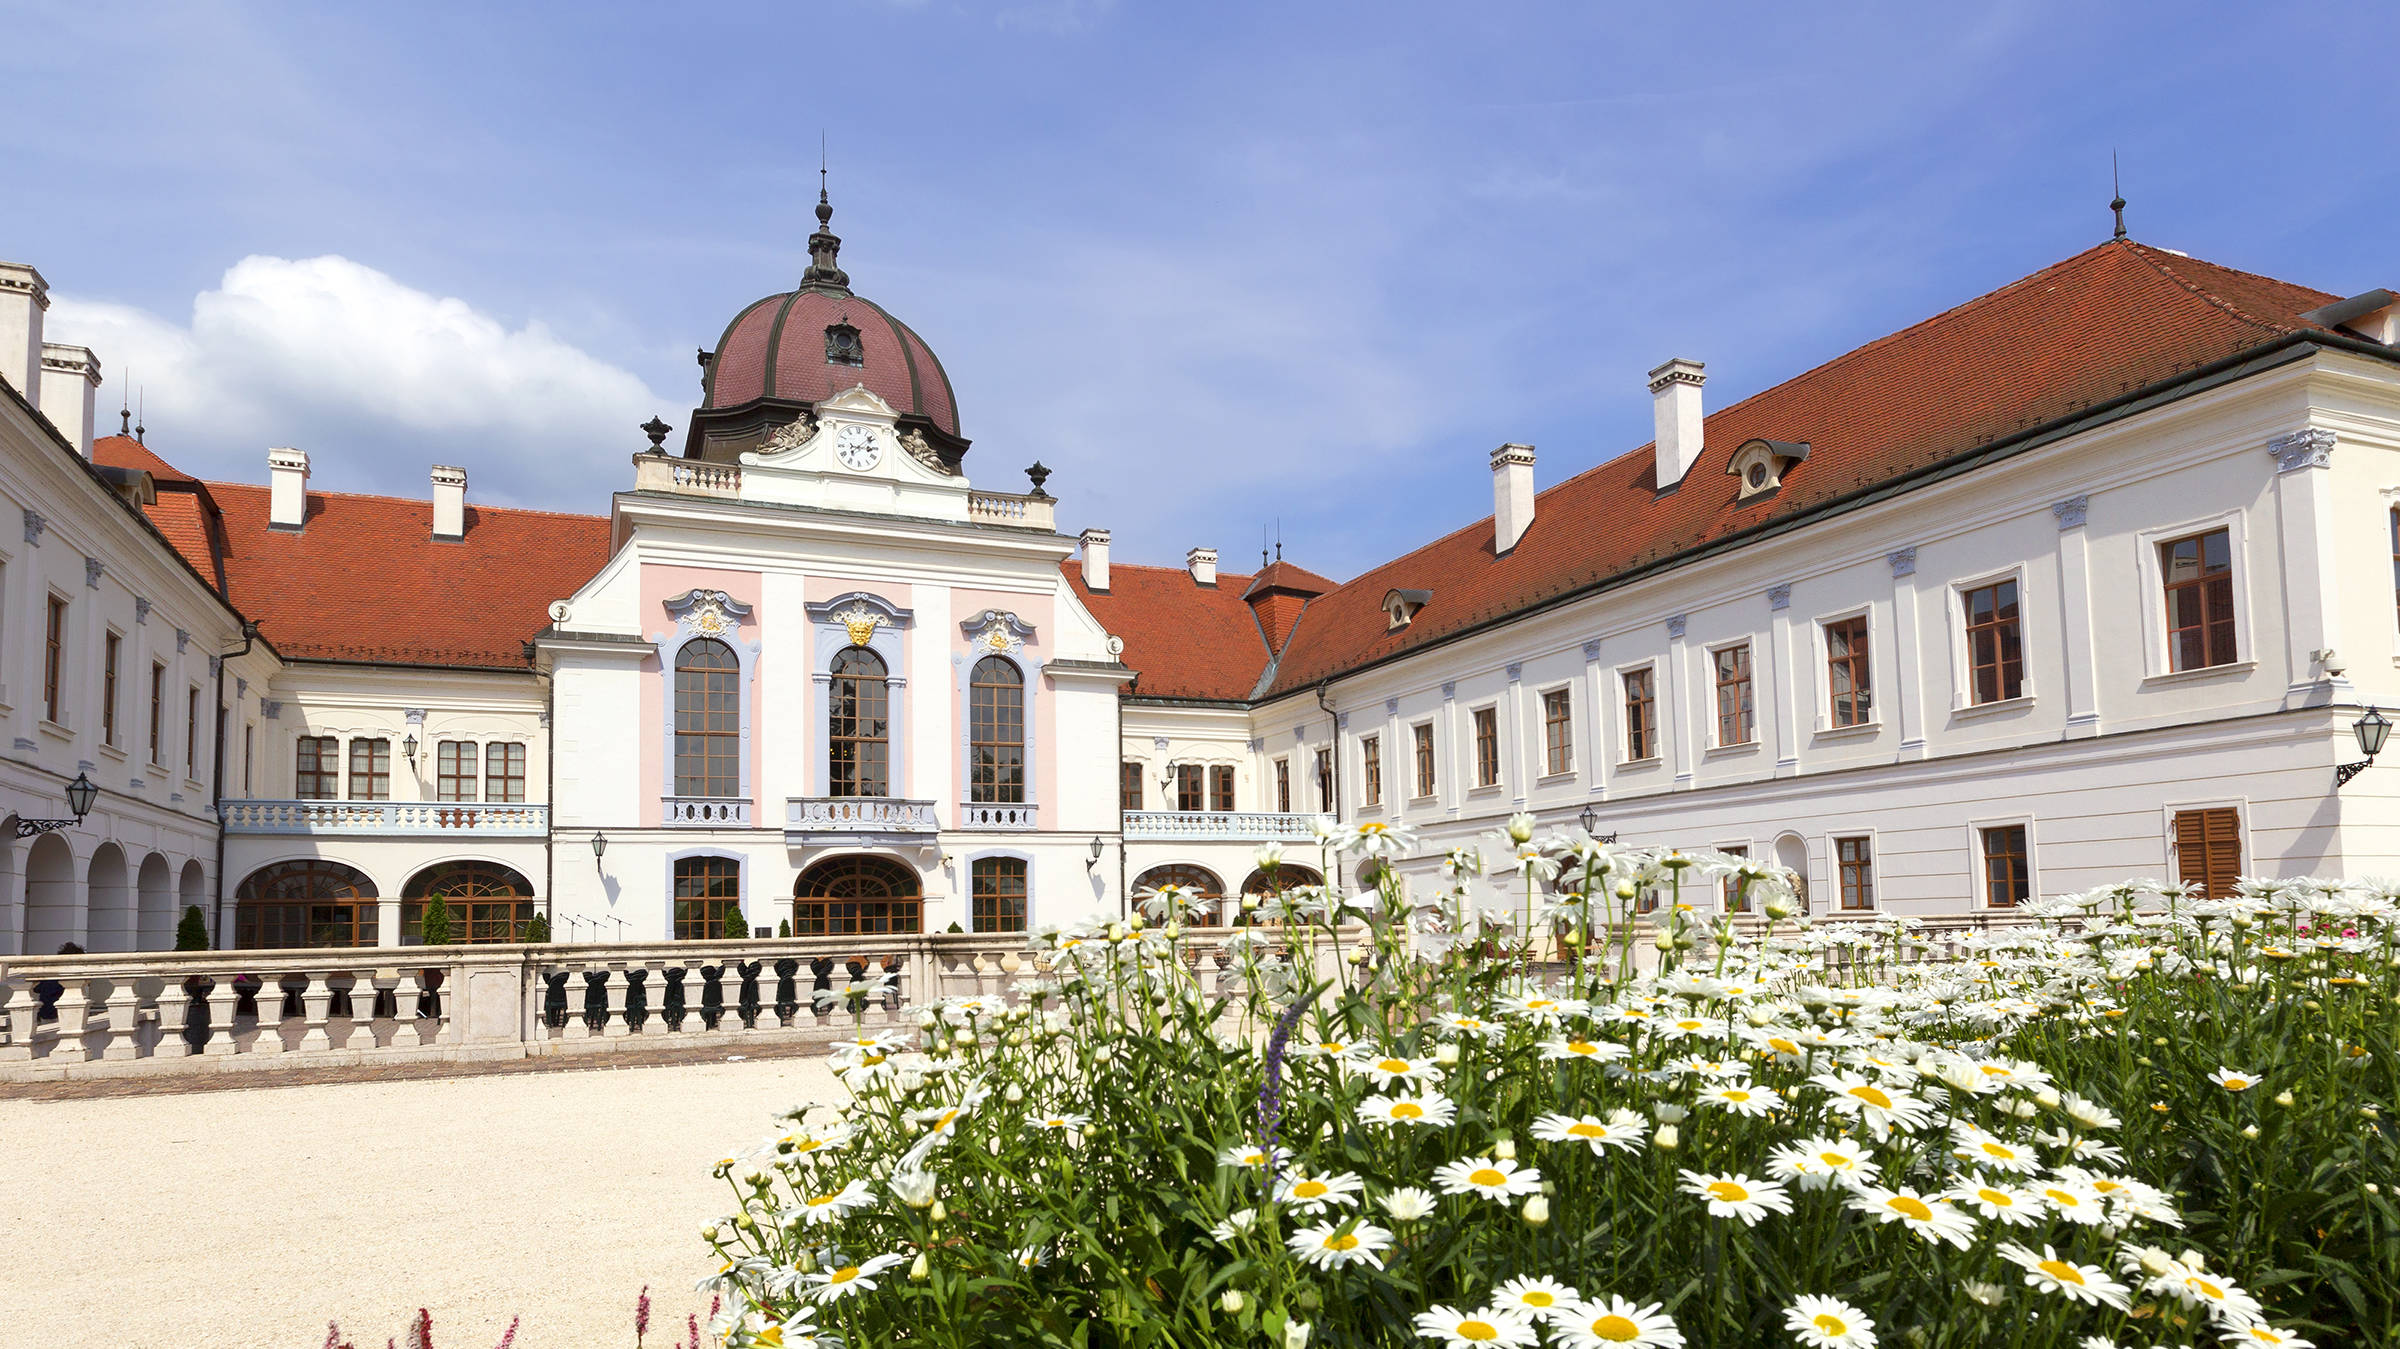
pixel 1400 607
pixel 1761 464
pixel 842 346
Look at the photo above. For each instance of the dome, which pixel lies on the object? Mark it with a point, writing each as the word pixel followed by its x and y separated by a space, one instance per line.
pixel 808 344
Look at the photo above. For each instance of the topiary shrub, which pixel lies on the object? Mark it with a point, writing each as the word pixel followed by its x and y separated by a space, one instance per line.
pixel 783 928
pixel 736 926
pixel 538 931
pixel 436 926
pixel 192 933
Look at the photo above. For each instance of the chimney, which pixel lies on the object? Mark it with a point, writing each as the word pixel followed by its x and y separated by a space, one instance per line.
pixel 70 385
pixel 287 488
pixel 1675 404
pixel 1512 495
pixel 23 297
pixel 1203 564
pixel 449 502
pixel 1095 560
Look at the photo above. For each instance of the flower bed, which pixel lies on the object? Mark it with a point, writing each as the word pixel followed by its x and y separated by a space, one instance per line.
pixel 2150 1119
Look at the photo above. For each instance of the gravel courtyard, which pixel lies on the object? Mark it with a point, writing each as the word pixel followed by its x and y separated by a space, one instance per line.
pixel 251 1217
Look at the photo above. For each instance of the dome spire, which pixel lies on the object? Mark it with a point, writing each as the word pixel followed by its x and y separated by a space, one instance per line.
pixel 824 248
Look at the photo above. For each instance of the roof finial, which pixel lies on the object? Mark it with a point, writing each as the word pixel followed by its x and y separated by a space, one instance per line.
pixel 124 413
pixel 2117 186
pixel 824 249
pixel 141 400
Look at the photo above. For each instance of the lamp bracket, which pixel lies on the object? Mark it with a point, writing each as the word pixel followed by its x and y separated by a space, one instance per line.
pixel 29 828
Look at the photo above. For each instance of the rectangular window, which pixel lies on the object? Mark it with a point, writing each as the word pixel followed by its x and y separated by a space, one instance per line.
pixel 1641 716
pixel 1737 900
pixel 2208 849
pixel 1370 755
pixel 1129 785
pixel 1856 859
pixel 1995 646
pixel 1737 715
pixel 191 732
pixel 999 885
pixel 1220 788
pixel 1846 672
pixel 708 890
pixel 1487 746
pixel 54 654
pixel 1558 731
pixel 158 712
pixel 1283 785
pixel 108 690
pixel 504 773
pixel 370 770
pixel 2199 581
pixel 1325 781
pixel 1424 738
pixel 1187 786
pixel 454 770
pixel 2007 880
pixel 316 769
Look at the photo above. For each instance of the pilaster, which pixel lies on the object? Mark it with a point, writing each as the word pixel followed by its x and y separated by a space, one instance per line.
pixel 2075 617
pixel 1675 700
pixel 2304 522
pixel 1782 701
pixel 1908 651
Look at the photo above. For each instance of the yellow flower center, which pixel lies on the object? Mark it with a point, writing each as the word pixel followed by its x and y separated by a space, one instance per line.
pixel 1690 1025
pixel 944 1121
pixel 2062 1271
pixel 1539 1004
pixel 821 1200
pixel 1484 1175
pixel 1727 1191
pixel 1347 1241
pixel 1371 827
pixel 1585 1129
pixel 1839 1161
pixel 1408 1110
pixel 2207 1289
pixel 1736 1095
pixel 1309 1189
pixel 843 1275
pixel 1392 1065
pixel 1831 1324
pixel 1478 1331
pixel 1781 1045
pixel 1872 1096
pixel 2063 1199
pixel 870 1059
pixel 1995 1198
pixel 1909 1206
pixel 1537 1298
pixel 1616 1329
pixel 1333 1047
pixel 1582 1047
pixel 2237 1083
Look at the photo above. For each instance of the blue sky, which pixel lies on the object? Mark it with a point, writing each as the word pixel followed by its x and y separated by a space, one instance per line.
pixel 1216 265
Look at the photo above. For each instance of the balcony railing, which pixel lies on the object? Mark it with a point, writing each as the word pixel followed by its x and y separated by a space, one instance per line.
pixel 664 473
pixel 994 816
pixel 858 815
pixel 1008 508
pixel 1234 826
pixel 384 817
pixel 705 812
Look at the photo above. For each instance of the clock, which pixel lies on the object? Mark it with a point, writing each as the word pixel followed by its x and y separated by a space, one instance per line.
pixel 857 448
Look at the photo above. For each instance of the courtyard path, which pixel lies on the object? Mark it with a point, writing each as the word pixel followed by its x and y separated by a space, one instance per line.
pixel 233 1219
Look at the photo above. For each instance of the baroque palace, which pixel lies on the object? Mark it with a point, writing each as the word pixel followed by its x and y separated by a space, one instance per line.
pixel 2046 590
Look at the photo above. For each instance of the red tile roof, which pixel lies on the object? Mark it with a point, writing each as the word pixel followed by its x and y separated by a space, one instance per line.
pixel 1184 639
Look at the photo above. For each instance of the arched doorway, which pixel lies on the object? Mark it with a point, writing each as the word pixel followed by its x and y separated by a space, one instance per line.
pixel 311 902
pixel 487 901
pixel 154 905
pixel 51 904
pixel 857 893
pixel 111 900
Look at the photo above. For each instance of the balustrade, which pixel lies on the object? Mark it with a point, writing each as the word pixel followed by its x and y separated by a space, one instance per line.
pixel 365 818
pixel 1240 826
pixel 858 815
pixel 707 811
pixel 994 816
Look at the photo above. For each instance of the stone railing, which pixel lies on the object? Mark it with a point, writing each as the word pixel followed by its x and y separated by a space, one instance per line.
pixel 994 817
pixel 383 817
pixel 706 812
pixel 858 815
pixel 1008 508
pixel 692 477
pixel 1236 826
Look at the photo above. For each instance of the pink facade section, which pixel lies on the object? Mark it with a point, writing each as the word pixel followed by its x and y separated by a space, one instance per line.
pixel 663 583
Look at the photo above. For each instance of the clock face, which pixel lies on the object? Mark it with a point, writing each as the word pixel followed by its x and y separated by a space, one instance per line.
pixel 856 447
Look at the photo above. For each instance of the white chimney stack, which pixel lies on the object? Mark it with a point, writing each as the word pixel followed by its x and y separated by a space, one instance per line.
pixel 287 488
pixel 1512 495
pixel 1675 404
pixel 1203 564
pixel 70 392
pixel 449 502
pixel 1095 559
pixel 24 295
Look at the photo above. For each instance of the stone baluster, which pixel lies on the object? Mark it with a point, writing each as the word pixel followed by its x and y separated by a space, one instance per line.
pixel 614 982
pixel 74 1012
pixel 577 1027
pixel 405 991
pixel 174 1009
pixel 654 999
pixel 16 1021
pixel 316 1003
pixel 362 1012
pixel 219 1000
pixel 448 1029
pixel 270 1015
pixel 121 1013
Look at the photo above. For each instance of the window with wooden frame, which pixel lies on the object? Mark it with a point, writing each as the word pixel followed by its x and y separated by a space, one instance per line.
pixel 999 893
pixel 707 891
pixel 455 768
pixel 191 732
pixel 307 903
pixel 1325 781
pixel 1849 679
pixel 1558 731
pixel 1487 747
pixel 2007 871
pixel 708 720
pixel 1995 643
pixel 1735 898
pixel 1423 733
pixel 370 769
pixel 2208 850
pixel 54 654
pixel 108 688
pixel 2198 574
pixel 1189 788
pixel 1641 716
pixel 488 902
pixel 317 768
pixel 1220 788
pixel 1854 860
pixel 1370 763
pixel 158 713
pixel 504 773
pixel 1129 785
pixel 1283 785
pixel 858 727
pixel 857 895
pixel 1737 714
pixel 996 732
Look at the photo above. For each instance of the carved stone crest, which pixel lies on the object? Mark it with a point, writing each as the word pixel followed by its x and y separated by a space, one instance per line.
pixel 860 622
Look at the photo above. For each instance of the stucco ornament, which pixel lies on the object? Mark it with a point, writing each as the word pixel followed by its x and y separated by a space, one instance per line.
pixel 997 631
pixel 860 621
pixel 791 435
pixel 708 613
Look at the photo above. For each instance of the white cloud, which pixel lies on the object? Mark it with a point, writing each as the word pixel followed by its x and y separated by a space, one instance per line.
pixel 342 360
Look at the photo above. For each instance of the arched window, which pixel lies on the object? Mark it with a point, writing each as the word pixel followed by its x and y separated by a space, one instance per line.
pixel 708 720
pixel 304 903
pixel 996 733
pixel 488 902
pixel 707 891
pixel 857 894
pixel 860 740
pixel 1202 882
pixel 1286 877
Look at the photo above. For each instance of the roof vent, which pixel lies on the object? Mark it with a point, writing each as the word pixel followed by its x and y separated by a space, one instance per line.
pixel 1761 464
pixel 2374 315
pixel 1400 607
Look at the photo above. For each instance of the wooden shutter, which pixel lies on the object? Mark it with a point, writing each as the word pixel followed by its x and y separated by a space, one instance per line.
pixel 2208 849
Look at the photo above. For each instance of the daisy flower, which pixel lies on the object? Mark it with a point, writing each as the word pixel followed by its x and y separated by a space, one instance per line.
pixel 1408 1204
pixel 832 1208
pixel 1596 1051
pixel 1333 1245
pixel 1327 1049
pixel 2267 1337
pixel 1542 1299
pixel 2050 1272
pixel 1978 1147
pixel 1315 1194
pixel 1617 1324
pixel 1925 1215
pixel 1732 1196
pixel 1389 1068
pixel 1741 1098
pixel 2073 1200
pixel 1251 1154
pixel 1234 1226
pixel 1877 1107
pixel 830 1284
pixel 2233 1079
pixel 1997 1200
pixel 2225 1300
pixel 1430 1110
pixel 1461 1025
pixel 1043 1123
pixel 1622 1129
pixel 1828 1323
pixel 1818 1162
pixel 1486 1328
pixel 1499 1178
pixel 1542 1007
